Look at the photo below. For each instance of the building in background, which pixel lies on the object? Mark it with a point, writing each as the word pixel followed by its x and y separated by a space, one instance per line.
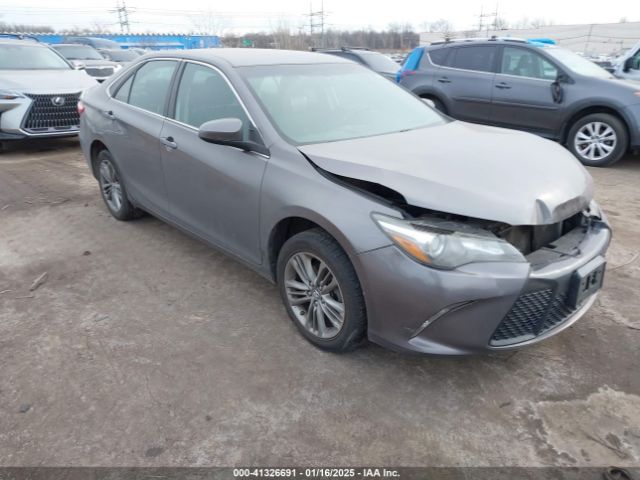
pixel 611 39
pixel 148 41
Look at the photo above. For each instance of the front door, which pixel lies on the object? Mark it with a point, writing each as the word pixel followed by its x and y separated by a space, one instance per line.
pixel 522 92
pixel 213 190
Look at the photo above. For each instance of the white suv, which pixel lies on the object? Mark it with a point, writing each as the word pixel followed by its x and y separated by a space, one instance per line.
pixel 39 90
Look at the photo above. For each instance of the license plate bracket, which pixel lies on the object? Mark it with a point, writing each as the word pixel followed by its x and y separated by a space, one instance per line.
pixel 586 281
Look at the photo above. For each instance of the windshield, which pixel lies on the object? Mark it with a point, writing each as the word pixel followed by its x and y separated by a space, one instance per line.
pixel 380 62
pixel 328 102
pixel 30 57
pixel 78 52
pixel 576 63
pixel 121 55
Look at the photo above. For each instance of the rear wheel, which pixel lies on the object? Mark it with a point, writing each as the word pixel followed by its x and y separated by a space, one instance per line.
pixel 598 140
pixel 321 291
pixel 112 188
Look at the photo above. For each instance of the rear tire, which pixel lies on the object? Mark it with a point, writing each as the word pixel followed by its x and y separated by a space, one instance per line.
pixel 112 188
pixel 598 140
pixel 321 291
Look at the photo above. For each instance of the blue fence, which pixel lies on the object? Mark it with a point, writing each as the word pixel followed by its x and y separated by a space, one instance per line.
pixel 147 41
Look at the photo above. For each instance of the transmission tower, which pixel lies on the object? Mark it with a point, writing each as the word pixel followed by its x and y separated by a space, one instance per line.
pixel 123 16
pixel 316 20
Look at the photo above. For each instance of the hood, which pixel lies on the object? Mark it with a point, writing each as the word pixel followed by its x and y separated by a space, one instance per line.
pixel 472 170
pixel 46 81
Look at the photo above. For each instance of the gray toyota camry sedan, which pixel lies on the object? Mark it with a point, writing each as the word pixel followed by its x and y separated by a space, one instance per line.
pixel 377 216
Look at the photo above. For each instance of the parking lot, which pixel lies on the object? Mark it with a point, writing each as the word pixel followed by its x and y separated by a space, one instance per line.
pixel 142 346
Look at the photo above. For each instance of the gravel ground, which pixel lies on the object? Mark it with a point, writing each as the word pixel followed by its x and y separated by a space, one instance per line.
pixel 143 347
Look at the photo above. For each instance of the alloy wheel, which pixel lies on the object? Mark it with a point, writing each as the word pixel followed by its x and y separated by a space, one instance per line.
pixel 595 140
pixel 110 185
pixel 314 295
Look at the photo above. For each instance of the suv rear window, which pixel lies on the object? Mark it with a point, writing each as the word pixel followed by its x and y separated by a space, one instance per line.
pixel 478 58
pixel 438 57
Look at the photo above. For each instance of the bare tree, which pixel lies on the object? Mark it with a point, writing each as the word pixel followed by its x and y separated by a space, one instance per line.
pixel 210 22
pixel 441 26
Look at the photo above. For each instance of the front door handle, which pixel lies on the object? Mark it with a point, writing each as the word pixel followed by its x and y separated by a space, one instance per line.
pixel 109 114
pixel 444 80
pixel 169 143
pixel 503 86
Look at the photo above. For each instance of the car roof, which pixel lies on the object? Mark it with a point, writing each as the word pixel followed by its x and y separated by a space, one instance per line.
pixel 17 41
pixel 244 57
pixel 75 45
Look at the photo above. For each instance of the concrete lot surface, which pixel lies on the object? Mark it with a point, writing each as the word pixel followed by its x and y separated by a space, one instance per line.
pixel 144 347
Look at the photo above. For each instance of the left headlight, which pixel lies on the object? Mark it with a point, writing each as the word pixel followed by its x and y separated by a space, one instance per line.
pixel 443 248
pixel 10 95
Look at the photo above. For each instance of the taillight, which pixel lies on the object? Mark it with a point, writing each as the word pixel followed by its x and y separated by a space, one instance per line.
pixel 80 108
pixel 407 73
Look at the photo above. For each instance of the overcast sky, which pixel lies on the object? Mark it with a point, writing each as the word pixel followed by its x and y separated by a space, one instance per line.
pixel 251 15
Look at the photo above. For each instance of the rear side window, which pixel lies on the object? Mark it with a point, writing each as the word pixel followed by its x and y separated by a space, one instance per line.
pixel 123 91
pixel 151 85
pixel 438 57
pixel 478 58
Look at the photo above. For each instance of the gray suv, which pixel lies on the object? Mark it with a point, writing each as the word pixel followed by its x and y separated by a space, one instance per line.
pixel 376 215
pixel 532 86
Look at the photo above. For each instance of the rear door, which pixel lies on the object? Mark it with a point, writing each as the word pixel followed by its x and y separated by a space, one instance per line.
pixel 466 81
pixel 522 92
pixel 136 116
pixel 213 190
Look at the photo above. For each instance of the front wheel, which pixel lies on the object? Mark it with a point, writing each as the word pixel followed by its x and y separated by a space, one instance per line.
pixel 598 140
pixel 321 291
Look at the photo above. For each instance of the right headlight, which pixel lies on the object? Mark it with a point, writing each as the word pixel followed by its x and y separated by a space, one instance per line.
pixel 443 248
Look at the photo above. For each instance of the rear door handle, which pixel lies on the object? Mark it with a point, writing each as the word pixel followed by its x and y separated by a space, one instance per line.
pixel 444 80
pixel 169 143
pixel 503 86
pixel 109 114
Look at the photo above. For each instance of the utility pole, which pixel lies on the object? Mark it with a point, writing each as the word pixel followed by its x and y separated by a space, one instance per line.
pixel 123 16
pixel 482 16
pixel 316 19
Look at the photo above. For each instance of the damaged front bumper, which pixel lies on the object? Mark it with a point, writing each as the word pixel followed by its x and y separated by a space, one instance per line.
pixel 479 307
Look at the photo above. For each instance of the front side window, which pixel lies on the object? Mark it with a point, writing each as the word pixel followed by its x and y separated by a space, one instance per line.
pixel 479 58
pixel 329 102
pixel 151 85
pixel 203 95
pixel 526 63
pixel 30 57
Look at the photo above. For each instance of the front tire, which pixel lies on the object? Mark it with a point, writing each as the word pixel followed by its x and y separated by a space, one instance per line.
pixel 112 188
pixel 598 140
pixel 321 291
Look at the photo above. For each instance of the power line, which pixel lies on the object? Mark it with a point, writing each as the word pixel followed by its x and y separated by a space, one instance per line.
pixel 313 23
pixel 123 16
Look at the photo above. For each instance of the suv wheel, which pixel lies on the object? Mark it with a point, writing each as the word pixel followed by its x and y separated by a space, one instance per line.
pixel 598 140
pixel 112 188
pixel 321 291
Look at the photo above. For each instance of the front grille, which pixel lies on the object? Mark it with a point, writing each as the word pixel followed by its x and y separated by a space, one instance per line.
pixel 48 113
pixel 533 314
pixel 99 71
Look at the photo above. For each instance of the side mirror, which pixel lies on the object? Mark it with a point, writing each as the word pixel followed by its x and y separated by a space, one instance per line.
pixel 563 78
pixel 228 131
pixel 222 131
pixel 429 102
pixel 78 65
